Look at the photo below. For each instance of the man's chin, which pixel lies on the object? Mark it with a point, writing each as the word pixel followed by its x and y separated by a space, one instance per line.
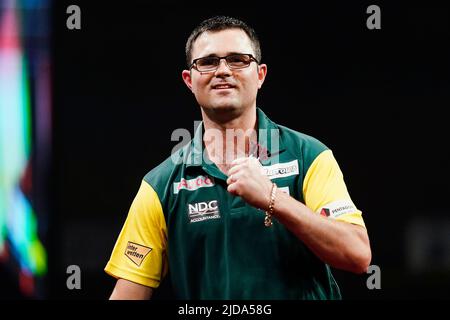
pixel 225 107
pixel 222 107
pixel 223 112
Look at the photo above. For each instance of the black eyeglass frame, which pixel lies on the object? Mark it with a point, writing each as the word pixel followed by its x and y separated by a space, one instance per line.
pixel 252 58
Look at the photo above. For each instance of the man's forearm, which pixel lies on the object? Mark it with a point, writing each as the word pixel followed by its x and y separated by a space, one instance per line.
pixel 339 244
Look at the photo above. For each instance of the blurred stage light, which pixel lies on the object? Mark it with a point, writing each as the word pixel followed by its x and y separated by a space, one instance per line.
pixel 24 94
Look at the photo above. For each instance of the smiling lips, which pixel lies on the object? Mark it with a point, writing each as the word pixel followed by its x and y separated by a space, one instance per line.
pixel 223 86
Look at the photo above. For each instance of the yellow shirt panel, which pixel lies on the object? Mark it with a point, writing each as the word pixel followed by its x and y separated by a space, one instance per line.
pixel 325 192
pixel 140 253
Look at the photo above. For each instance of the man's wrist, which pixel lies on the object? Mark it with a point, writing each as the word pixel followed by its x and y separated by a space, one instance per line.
pixel 269 211
pixel 281 200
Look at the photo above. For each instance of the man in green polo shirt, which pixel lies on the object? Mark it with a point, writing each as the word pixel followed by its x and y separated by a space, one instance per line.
pixel 248 209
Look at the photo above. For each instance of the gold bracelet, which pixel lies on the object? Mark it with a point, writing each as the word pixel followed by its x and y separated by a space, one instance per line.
pixel 268 218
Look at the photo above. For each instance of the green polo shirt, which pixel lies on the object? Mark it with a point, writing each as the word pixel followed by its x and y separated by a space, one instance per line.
pixel 184 224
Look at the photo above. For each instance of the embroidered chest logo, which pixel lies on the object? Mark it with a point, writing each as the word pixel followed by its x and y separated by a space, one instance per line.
pixel 193 184
pixel 281 170
pixel 203 211
pixel 136 252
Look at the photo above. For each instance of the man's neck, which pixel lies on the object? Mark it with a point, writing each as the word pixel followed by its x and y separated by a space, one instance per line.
pixel 230 137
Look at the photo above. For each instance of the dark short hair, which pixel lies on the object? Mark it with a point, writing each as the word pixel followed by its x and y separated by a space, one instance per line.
pixel 219 23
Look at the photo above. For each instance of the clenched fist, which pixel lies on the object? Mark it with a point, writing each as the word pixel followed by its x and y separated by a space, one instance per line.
pixel 247 180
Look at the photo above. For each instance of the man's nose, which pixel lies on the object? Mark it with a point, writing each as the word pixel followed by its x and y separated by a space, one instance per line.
pixel 223 68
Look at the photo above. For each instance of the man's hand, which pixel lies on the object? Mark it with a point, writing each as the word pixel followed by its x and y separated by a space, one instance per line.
pixel 247 180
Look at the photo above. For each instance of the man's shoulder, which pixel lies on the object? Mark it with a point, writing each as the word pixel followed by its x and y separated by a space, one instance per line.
pixel 163 174
pixel 308 145
pixel 293 139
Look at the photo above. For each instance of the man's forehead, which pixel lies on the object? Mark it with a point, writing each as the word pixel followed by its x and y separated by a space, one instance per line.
pixel 221 43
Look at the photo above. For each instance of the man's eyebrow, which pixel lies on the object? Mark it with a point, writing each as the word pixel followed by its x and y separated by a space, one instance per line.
pixel 216 55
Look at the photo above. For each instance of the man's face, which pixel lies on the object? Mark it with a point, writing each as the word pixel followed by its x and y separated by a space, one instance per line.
pixel 225 88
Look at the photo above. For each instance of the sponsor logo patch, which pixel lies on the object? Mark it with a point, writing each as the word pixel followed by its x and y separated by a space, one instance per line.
pixel 281 170
pixel 136 252
pixel 337 208
pixel 193 184
pixel 201 211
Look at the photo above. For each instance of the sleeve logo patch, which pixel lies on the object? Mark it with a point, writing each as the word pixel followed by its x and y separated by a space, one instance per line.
pixel 136 252
pixel 337 208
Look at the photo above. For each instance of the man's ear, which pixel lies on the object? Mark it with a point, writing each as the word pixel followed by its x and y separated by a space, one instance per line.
pixel 186 75
pixel 262 72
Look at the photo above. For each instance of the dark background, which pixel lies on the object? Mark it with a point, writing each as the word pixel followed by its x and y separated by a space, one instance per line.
pixel 376 97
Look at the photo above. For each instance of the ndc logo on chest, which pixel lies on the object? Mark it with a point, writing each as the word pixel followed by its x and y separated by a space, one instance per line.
pixel 201 211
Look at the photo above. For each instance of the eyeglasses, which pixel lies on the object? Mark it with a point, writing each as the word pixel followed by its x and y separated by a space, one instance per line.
pixel 234 61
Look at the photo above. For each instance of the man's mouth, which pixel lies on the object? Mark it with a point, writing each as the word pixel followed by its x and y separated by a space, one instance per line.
pixel 223 86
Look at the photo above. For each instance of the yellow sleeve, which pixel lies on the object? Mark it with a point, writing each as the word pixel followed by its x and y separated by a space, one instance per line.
pixel 140 254
pixel 325 192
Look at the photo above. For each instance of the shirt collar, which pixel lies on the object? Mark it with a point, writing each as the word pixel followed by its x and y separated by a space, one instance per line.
pixel 270 143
